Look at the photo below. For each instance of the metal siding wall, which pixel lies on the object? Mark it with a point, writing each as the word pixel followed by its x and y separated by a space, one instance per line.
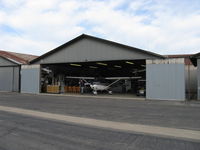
pixel 165 81
pixel 198 77
pixel 92 50
pixel 6 78
pixel 16 79
pixel 30 79
pixel 9 79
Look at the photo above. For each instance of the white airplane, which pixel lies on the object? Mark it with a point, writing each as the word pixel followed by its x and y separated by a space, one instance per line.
pixel 97 86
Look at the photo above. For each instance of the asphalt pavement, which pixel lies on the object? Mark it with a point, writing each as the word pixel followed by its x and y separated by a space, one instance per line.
pixel 160 113
pixel 18 132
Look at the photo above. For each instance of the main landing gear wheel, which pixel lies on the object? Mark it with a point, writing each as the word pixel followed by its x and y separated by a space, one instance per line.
pixel 95 92
pixel 110 92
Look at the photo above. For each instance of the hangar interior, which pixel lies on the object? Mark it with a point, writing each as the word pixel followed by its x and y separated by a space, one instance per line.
pixel 65 77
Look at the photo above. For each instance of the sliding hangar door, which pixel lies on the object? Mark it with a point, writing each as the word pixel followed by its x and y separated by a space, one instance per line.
pixel 9 75
pixel 93 59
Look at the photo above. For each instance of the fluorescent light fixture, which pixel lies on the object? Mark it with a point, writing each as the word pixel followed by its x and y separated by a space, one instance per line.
pixel 93 67
pixel 77 65
pixel 128 62
pixel 103 64
pixel 117 66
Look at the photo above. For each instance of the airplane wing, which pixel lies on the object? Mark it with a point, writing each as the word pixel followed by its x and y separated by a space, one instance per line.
pixel 118 79
pixel 108 78
pixel 71 77
pixel 122 78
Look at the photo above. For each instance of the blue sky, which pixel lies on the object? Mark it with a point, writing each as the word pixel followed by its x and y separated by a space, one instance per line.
pixel 160 26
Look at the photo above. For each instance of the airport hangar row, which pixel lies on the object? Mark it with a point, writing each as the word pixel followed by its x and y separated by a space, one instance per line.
pixel 88 56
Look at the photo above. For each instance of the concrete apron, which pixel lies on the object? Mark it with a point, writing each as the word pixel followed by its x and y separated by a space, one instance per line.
pixel 185 134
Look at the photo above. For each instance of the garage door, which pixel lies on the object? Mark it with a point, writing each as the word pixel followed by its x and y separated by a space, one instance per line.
pixel 9 79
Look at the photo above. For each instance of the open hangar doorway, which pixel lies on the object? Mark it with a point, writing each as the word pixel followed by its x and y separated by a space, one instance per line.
pixel 124 76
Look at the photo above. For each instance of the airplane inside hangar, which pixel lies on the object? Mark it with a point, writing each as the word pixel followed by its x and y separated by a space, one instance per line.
pixel 108 77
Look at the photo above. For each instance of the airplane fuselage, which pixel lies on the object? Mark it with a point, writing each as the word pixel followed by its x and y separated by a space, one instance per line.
pixel 95 87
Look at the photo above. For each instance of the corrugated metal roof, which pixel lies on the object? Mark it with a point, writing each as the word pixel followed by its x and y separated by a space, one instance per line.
pixel 18 58
pixel 186 56
pixel 179 56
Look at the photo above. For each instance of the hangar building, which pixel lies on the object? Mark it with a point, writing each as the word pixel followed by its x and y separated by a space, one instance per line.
pixel 160 77
pixel 10 64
